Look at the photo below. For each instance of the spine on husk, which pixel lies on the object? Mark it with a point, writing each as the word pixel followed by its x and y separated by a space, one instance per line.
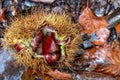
pixel 22 30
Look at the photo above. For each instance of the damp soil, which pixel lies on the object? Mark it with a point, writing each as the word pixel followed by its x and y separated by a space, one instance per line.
pixel 9 70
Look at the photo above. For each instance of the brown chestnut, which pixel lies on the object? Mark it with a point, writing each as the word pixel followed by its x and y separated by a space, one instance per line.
pixel 52 58
pixel 19 47
pixel 49 45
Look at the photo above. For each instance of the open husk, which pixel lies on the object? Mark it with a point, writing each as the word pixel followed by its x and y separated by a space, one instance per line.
pixel 24 28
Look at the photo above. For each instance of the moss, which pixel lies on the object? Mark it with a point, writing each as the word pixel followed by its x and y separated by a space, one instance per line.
pixel 23 29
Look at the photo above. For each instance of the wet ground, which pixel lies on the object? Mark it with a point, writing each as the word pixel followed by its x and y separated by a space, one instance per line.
pixel 9 70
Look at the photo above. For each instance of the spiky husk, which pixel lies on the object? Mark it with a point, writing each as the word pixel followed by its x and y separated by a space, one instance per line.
pixel 23 28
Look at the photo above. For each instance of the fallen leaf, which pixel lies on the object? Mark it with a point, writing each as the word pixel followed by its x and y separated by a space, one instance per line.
pixel 90 22
pixel 2 15
pixel 40 75
pixel 112 69
pixel 59 75
pixel 103 59
pixel 113 56
pixel 92 76
pixel 118 29
pixel 102 35
pixel 113 59
pixel 28 75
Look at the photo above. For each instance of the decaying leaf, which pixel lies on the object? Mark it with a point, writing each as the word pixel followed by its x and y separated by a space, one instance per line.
pixel 104 59
pixel 2 17
pixel 103 35
pixel 90 22
pixel 28 75
pixel 113 55
pixel 112 69
pixel 42 76
pixel 118 29
pixel 91 76
pixel 59 75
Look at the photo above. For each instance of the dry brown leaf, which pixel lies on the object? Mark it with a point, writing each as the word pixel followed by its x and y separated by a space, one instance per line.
pixel 42 76
pixel 108 56
pixel 59 75
pixel 90 22
pixel 104 59
pixel 2 18
pixel 92 76
pixel 112 69
pixel 28 75
pixel 102 35
pixel 113 56
pixel 118 28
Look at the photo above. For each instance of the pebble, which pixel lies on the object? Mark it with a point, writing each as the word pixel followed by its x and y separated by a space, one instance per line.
pixel 43 1
pixel 57 10
pixel 29 4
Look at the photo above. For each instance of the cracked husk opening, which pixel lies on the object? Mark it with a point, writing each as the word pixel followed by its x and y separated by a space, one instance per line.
pixel 24 28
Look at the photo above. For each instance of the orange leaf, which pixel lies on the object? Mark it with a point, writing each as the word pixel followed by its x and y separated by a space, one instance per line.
pixel 28 75
pixel 112 69
pixel 118 28
pixel 110 55
pixel 102 35
pixel 2 18
pixel 90 22
pixel 105 59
